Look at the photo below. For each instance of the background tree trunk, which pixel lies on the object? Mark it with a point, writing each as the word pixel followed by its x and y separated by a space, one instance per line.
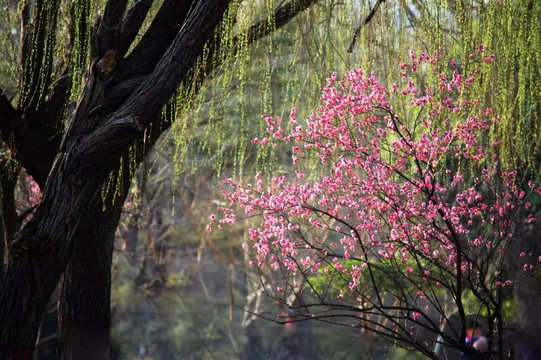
pixel 527 293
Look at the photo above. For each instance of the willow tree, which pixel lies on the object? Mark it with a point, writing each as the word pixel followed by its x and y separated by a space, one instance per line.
pixel 121 82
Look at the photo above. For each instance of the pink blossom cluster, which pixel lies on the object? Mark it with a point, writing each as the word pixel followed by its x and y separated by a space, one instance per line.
pixel 382 189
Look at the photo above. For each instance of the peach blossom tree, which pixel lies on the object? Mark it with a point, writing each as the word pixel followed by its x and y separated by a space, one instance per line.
pixel 398 215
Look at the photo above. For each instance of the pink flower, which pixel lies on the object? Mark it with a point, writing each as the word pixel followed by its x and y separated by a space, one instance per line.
pixel 488 59
pixel 481 344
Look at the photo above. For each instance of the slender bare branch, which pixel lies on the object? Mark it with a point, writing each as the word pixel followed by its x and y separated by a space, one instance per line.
pixel 364 23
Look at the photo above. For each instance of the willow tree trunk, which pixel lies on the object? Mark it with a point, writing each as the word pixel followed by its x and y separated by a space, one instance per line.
pixel 92 146
pixel 85 307
pixel 85 303
pixel 40 254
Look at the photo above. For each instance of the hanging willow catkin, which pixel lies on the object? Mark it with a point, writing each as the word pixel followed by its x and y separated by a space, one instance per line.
pixel 216 118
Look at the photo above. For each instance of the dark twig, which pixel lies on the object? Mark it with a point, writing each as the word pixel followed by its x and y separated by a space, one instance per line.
pixel 365 22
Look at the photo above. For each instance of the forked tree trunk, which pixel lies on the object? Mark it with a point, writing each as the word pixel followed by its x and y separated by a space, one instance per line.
pixel 91 148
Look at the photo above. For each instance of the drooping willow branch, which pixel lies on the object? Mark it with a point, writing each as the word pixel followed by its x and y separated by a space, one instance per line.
pixel 364 23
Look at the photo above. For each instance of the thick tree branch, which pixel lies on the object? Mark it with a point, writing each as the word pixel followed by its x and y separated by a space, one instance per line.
pixel 148 99
pixel 119 28
pixel 143 106
pixel 163 29
pixel 142 60
pixel 114 10
pixel 159 36
pixel 130 72
pixel 110 26
pixel 132 23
